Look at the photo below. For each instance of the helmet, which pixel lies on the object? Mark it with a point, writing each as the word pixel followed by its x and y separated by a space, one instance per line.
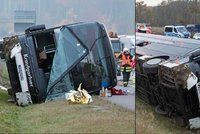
pixel 125 49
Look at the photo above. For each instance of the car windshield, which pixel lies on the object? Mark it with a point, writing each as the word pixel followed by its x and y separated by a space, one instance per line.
pixel 181 29
pixel 116 46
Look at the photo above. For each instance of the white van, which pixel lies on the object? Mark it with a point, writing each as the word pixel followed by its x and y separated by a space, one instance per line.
pixel 177 31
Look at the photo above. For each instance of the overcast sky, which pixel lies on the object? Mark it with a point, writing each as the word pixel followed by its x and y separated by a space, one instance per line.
pixel 151 2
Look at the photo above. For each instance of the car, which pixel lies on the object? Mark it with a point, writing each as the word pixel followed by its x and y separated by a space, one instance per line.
pixel 167 71
pixel 176 31
pixel 143 28
pixel 193 28
pixel 196 36
pixel 44 64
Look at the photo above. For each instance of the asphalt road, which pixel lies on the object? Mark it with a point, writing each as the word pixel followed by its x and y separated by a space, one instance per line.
pixel 126 101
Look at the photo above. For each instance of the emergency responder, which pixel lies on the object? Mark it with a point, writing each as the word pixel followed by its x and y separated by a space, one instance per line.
pixel 126 68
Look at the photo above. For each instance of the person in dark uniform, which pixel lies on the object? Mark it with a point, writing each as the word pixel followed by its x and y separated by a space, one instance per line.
pixel 126 67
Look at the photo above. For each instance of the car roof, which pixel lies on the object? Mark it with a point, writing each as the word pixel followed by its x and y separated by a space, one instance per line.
pixel 190 25
pixel 164 45
pixel 169 26
pixel 175 26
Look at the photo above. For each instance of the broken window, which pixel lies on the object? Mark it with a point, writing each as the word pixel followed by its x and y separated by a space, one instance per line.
pixel 68 53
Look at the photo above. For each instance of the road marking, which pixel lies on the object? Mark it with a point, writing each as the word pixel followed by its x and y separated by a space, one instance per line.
pixel 3 88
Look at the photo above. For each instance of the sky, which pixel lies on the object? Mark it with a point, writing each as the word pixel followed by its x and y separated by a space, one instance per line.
pixel 151 2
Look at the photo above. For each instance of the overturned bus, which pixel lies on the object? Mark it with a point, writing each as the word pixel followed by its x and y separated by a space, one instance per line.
pixel 168 75
pixel 43 64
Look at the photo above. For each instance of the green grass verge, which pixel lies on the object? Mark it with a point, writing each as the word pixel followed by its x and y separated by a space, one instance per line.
pixel 149 122
pixel 60 117
pixel 4 77
pixel 5 73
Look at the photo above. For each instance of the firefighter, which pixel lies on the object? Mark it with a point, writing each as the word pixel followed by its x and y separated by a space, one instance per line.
pixel 126 68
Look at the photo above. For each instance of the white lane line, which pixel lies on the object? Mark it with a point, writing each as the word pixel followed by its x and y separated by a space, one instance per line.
pixel 3 88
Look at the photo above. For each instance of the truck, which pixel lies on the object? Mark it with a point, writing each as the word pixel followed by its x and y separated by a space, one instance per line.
pixel 167 75
pixel 117 47
pixel 177 31
pixel 44 64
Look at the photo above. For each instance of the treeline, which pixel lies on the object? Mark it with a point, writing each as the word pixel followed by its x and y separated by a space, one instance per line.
pixel 169 12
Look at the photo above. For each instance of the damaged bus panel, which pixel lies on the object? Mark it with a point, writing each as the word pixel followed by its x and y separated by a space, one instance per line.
pixel 168 75
pixel 43 64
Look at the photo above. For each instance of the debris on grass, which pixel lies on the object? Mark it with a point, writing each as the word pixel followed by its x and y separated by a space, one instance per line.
pixel 80 96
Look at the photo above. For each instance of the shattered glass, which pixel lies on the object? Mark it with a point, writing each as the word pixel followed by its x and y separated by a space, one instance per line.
pixel 74 64
pixel 69 51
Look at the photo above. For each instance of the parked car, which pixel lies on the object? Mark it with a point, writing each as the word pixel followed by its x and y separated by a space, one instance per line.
pixel 43 64
pixel 143 28
pixel 176 31
pixel 196 36
pixel 193 28
pixel 167 71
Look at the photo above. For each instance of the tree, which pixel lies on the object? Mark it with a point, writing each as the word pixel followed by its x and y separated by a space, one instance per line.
pixel 169 12
pixel 140 11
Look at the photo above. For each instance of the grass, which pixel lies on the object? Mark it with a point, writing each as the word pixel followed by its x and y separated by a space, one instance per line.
pixel 149 122
pixel 100 116
pixel 4 77
pixel 5 73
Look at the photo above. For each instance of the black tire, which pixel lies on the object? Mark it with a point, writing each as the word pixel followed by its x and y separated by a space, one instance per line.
pixel 160 111
pixel 151 66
